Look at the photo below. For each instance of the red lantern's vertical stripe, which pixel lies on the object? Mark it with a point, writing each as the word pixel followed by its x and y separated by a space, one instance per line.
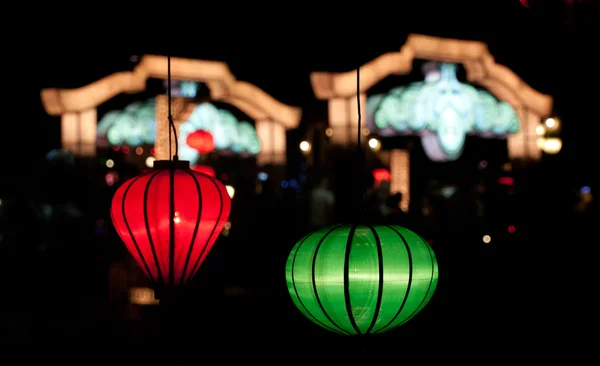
pixel 120 219
pixel 211 223
pixel 188 255
pixel 153 231
pixel 135 238
pixel 188 212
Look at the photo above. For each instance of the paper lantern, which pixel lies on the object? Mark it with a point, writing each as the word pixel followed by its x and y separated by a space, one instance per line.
pixel 201 141
pixel 170 251
pixel 380 175
pixel 361 279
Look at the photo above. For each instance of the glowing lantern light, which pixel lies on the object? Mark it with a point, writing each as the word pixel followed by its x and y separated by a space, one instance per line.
pixel 201 141
pixel 506 181
pixel 380 175
pixel 168 252
pixel 360 279
pixel 205 169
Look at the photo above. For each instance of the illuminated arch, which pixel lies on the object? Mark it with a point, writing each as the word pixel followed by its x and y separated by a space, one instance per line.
pixel 77 107
pixel 222 84
pixel 530 105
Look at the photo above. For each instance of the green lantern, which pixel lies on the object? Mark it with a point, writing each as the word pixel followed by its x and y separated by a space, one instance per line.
pixel 361 279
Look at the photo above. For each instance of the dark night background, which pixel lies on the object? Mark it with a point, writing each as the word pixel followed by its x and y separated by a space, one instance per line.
pixel 534 294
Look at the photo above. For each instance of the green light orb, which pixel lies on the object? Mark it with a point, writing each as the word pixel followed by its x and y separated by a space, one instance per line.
pixel 361 279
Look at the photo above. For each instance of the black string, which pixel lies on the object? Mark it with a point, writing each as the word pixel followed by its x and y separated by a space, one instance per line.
pixel 171 123
pixel 361 159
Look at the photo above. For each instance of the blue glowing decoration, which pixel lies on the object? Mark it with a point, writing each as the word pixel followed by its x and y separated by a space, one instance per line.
pixel 136 125
pixel 262 176
pixel 228 133
pixel 188 89
pixel 443 111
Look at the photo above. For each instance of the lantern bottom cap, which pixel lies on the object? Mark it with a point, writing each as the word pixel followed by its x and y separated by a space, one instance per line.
pixel 171 164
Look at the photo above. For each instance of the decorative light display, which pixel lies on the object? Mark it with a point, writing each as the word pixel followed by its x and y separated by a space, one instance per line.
pixel 360 279
pixel 228 133
pixel 201 141
pixel 443 111
pixel 170 253
pixel 136 125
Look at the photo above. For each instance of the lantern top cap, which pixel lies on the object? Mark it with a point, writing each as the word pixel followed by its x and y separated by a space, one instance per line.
pixel 171 164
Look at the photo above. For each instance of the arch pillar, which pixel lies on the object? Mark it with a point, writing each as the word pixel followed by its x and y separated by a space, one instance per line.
pixel 78 132
pixel 343 118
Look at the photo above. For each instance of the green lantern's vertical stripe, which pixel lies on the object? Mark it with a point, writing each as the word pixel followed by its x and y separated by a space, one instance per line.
pixel 381 279
pixel 316 282
pixel 433 277
pixel 295 297
pixel 425 269
pixel 408 285
pixel 347 299
pixel 396 275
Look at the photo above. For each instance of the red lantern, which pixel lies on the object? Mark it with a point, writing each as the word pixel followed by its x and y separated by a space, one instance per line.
pixel 170 251
pixel 205 169
pixel 201 141
pixel 380 175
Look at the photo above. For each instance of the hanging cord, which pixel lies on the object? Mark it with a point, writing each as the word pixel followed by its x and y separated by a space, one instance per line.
pixel 171 183
pixel 171 123
pixel 361 206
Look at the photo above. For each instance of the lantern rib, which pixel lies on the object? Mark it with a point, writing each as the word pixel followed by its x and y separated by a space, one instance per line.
pixel 200 257
pixel 380 285
pixel 135 244
pixel 191 248
pixel 146 221
pixel 172 219
pixel 423 302
pixel 347 279
pixel 314 281
pixel 314 318
pixel 409 284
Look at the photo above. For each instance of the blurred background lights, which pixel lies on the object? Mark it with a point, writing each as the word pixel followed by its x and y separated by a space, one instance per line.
pixel 329 132
pixel 305 146
pixel 552 145
pixel 585 190
pixel 540 130
pixel 150 161
pixel 230 191
pixel 110 163
pixel 373 143
pixel 139 150
pixel 511 229
pixel 262 176
pixel 552 124
pixel 487 239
